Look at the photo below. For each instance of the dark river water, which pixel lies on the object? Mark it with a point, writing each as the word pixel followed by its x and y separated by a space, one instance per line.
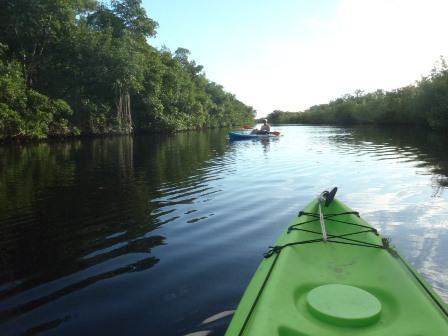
pixel 161 235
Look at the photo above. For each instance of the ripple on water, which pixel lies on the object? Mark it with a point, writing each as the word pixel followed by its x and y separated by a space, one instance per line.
pixel 180 238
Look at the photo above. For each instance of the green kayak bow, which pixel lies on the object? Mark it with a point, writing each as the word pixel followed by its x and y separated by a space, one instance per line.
pixel 331 273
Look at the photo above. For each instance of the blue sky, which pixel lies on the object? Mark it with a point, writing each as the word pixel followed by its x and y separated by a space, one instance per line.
pixel 293 54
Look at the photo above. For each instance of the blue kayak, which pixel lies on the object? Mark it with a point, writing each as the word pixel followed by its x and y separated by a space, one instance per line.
pixel 246 136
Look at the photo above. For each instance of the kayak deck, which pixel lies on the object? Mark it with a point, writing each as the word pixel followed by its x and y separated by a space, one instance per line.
pixel 355 283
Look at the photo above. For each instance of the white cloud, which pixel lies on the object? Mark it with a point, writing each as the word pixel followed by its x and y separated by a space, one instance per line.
pixel 368 45
pixel 291 59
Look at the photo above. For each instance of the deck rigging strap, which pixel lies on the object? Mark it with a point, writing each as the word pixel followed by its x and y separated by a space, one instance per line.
pixel 344 240
pixel 332 238
pixel 276 249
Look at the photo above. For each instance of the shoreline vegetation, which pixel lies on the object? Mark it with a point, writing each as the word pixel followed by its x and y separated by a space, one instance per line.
pixel 71 68
pixel 424 104
pixel 85 68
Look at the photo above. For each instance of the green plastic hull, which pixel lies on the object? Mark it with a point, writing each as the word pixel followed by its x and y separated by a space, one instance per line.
pixel 353 284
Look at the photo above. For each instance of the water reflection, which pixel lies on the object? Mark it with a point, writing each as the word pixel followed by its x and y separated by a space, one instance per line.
pixel 425 149
pixel 263 143
pixel 403 163
pixel 80 212
pixel 126 226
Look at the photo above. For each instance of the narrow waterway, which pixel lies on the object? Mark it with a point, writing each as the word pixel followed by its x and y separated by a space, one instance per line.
pixel 161 235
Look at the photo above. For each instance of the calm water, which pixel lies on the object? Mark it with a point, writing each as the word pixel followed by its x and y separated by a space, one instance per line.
pixel 161 235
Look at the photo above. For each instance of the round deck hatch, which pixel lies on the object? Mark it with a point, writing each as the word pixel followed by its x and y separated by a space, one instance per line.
pixel 344 305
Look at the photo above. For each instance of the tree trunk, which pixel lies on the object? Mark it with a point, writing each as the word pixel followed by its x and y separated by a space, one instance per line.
pixel 123 105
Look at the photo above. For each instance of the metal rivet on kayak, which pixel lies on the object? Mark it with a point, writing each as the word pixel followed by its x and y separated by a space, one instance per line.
pixel 344 305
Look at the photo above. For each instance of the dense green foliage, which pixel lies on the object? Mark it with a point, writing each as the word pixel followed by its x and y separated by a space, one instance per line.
pixel 83 67
pixel 425 103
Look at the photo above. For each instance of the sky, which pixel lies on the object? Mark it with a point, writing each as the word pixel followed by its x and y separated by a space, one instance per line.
pixel 289 55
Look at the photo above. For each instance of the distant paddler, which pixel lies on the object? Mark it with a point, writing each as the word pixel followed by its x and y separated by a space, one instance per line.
pixel 264 129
